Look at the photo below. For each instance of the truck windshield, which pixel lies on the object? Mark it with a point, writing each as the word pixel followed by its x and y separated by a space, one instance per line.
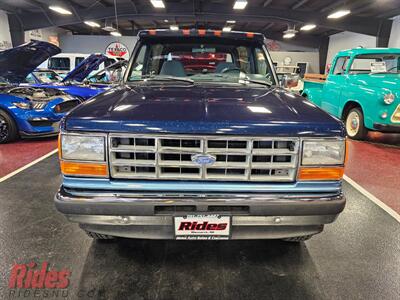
pixel 375 63
pixel 224 62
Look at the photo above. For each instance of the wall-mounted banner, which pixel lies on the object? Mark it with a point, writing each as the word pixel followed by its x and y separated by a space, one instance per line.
pixel 117 49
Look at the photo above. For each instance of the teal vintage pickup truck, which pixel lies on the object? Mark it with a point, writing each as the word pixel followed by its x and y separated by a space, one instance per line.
pixel 363 89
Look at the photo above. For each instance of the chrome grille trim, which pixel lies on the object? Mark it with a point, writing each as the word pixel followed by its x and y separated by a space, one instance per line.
pixel 139 156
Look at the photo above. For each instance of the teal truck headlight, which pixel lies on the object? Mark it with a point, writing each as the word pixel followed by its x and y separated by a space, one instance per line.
pixel 324 152
pixel 82 147
pixel 388 98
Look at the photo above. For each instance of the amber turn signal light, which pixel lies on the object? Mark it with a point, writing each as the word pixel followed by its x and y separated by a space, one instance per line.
pixel 323 174
pixel 86 169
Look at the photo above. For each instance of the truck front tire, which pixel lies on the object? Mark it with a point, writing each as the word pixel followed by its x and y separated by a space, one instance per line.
pixel 299 238
pixel 98 236
pixel 354 122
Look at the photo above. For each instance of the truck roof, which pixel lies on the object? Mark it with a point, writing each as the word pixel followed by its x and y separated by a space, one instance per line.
pixel 358 51
pixel 237 35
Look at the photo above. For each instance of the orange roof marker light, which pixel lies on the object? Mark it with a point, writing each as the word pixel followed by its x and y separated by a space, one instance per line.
pixel 250 35
pixel 152 32
pixel 217 32
pixel 202 32
pixel 186 31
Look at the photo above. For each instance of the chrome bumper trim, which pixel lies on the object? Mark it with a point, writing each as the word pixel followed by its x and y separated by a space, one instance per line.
pixel 160 186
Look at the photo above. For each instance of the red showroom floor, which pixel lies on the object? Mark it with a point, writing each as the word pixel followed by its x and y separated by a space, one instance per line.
pixel 373 164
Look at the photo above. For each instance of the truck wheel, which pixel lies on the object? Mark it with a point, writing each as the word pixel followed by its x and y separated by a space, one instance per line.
pixel 98 236
pixel 299 238
pixel 8 128
pixel 355 128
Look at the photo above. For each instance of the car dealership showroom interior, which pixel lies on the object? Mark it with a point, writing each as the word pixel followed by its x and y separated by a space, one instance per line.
pixel 200 149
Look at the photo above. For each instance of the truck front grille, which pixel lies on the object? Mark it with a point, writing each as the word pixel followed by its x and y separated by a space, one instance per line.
pixel 170 157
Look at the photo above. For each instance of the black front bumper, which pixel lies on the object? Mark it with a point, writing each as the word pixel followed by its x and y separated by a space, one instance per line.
pixel 387 128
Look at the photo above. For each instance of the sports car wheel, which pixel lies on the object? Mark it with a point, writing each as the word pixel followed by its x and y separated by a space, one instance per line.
pixel 8 129
pixel 355 128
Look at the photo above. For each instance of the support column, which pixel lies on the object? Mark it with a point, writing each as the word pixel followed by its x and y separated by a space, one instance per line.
pixel 16 30
pixel 323 54
pixel 383 34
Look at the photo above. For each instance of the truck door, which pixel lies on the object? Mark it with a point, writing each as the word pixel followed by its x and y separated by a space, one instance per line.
pixel 333 86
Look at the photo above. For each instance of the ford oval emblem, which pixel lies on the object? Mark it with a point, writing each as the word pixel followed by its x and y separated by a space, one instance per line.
pixel 203 159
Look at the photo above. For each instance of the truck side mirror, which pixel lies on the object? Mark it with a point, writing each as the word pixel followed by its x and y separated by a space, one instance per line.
pixel 290 81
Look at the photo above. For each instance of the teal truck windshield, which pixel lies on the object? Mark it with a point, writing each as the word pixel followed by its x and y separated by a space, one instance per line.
pixel 375 63
pixel 201 62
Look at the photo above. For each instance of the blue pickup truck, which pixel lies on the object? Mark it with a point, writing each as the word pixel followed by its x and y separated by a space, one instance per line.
pixel 213 152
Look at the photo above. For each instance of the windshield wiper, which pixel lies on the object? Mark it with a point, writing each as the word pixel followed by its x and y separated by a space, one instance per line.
pixel 169 78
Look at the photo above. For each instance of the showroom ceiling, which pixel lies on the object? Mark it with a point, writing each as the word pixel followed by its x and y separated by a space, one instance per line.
pixel 271 17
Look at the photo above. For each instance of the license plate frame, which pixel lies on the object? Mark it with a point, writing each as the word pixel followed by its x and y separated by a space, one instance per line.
pixel 218 227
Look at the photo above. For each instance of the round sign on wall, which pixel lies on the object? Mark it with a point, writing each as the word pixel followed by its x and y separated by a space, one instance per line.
pixel 117 49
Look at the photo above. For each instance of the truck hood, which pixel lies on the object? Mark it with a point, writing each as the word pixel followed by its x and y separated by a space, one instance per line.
pixel 203 109
pixel 16 63
pixel 81 71
pixel 383 80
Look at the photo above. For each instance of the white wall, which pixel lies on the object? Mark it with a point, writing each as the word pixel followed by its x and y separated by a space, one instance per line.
pixel 92 43
pixel 394 41
pixel 311 57
pixel 5 36
pixel 348 40
pixel 47 34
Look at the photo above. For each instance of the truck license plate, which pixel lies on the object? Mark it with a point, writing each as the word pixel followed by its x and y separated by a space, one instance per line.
pixel 202 227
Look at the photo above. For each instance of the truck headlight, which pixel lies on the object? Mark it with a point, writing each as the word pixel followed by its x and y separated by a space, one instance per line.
pixel 324 152
pixel 82 155
pixel 322 160
pixel 82 147
pixel 388 98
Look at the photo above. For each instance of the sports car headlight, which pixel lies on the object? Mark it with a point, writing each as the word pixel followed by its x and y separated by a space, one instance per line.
pixel 82 147
pixel 323 152
pixel 22 105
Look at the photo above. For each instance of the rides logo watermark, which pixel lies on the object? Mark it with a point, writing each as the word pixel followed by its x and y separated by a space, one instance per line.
pixel 33 280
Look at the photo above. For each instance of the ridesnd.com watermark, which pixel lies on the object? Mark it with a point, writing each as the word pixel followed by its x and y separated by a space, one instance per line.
pixel 33 280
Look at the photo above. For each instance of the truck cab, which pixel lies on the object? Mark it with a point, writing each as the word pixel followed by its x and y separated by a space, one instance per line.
pixel 363 89
pixel 177 152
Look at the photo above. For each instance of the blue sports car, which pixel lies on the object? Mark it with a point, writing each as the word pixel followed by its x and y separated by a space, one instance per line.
pixel 29 110
pixel 72 82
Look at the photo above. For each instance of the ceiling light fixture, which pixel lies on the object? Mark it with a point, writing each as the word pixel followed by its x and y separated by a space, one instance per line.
pixel 158 3
pixel 92 24
pixel 231 22
pixel 226 29
pixel 289 33
pixel 60 10
pixel 115 33
pixel 174 27
pixel 108 28
pixel 308 27
pixel 339 14
pixel 240 4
